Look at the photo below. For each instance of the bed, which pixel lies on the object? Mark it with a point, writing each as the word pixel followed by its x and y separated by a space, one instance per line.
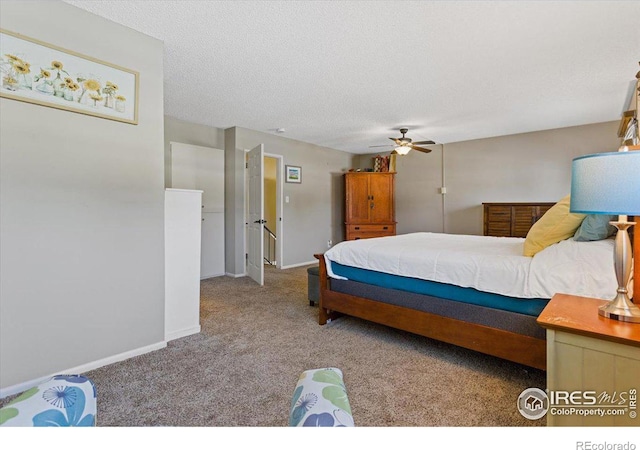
pixel 477 292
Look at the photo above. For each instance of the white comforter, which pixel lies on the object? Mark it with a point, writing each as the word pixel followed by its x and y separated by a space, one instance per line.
pixel 485 263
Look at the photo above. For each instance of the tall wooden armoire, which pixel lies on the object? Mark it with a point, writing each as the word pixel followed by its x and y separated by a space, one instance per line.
pixel 369 205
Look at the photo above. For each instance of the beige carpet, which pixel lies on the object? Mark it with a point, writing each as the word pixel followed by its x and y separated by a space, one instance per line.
pixel 242 368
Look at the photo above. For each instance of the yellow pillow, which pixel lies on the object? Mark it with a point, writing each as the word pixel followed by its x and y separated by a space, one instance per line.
pixel 555 225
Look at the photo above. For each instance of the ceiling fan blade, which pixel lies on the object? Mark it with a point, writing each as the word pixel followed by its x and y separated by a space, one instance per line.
pixel 425 142
pixel 420 149
pixel 386 145
pixel 397 141
pixel 393 153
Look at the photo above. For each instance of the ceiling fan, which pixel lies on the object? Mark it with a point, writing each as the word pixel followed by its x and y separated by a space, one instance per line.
pixel 405 144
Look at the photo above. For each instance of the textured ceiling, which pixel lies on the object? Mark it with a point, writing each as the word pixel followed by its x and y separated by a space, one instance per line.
pixel 348 74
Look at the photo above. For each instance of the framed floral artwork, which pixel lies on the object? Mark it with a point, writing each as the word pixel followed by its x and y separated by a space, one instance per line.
pixel 37 72
pixel 293 174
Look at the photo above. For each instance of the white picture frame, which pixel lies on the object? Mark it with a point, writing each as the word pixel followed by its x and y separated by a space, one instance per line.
pixel 43 74
pixel 293 174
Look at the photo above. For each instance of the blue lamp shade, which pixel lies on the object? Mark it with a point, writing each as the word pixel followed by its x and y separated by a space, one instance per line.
pixel 606 183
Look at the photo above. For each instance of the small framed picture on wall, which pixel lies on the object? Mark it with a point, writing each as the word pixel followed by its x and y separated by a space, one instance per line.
pixel 294 174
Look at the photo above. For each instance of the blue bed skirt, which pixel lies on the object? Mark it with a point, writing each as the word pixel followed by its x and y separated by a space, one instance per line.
pixel 528 306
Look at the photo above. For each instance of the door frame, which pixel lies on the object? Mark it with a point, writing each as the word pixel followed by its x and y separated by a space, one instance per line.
pixel 279 208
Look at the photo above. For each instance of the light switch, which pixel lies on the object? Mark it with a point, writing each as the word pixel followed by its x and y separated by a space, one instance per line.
pixel 286 199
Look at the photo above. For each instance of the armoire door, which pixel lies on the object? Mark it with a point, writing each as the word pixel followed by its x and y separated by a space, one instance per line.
pixel 381 191
pixel 358 197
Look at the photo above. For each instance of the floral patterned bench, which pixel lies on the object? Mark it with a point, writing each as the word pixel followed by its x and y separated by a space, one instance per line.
pixel 320 400
pixel 62 401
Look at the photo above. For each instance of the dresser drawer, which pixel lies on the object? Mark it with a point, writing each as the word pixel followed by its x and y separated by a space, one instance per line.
pixel 370 231
pixel 498 229
pixel 498 214
pixel 372 228
pixel 512 219
pixel 367 234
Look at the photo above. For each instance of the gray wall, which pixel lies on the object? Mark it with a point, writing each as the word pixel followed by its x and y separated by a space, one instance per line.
pixel 419 205
pixel 314 213
pixel 82 234
pixel 528 167
pixel 315 209
pixel 234 207
pixel 176 130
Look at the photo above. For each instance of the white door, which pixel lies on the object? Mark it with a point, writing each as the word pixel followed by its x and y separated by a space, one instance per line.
pixel 195 167
pixel 255 259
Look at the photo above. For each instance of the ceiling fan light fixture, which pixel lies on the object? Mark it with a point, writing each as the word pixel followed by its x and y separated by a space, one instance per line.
pixel 402 150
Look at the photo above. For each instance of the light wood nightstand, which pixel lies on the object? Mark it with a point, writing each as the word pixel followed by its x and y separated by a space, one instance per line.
pixel 588 352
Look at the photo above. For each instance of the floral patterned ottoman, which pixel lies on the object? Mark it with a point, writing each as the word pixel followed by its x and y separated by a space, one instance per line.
pixel 320 400
pixel 62 401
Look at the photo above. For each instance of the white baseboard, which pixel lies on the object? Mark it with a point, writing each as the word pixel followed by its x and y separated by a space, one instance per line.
pixel 215 275
pixel 291 266
pixel 21 387
pixel 236 275
pixel 182 333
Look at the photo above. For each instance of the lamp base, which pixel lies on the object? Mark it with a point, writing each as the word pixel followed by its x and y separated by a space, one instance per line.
pixel 620 308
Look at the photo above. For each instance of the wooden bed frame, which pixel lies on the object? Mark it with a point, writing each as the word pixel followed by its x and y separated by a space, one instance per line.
pixel 511 346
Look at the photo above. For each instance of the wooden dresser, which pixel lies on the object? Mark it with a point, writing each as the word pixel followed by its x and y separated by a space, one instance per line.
pixel 369 205
pixel 512 219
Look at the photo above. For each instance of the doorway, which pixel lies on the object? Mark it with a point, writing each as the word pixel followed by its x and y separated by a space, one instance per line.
pixel 270 175
pixel 273 226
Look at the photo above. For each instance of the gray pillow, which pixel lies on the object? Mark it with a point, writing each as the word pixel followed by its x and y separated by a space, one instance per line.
pixel 595 227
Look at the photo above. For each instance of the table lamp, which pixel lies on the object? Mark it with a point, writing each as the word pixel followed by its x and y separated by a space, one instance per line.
pixel 609 183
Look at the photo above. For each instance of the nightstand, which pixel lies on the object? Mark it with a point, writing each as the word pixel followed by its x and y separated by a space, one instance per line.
pixel 591 355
